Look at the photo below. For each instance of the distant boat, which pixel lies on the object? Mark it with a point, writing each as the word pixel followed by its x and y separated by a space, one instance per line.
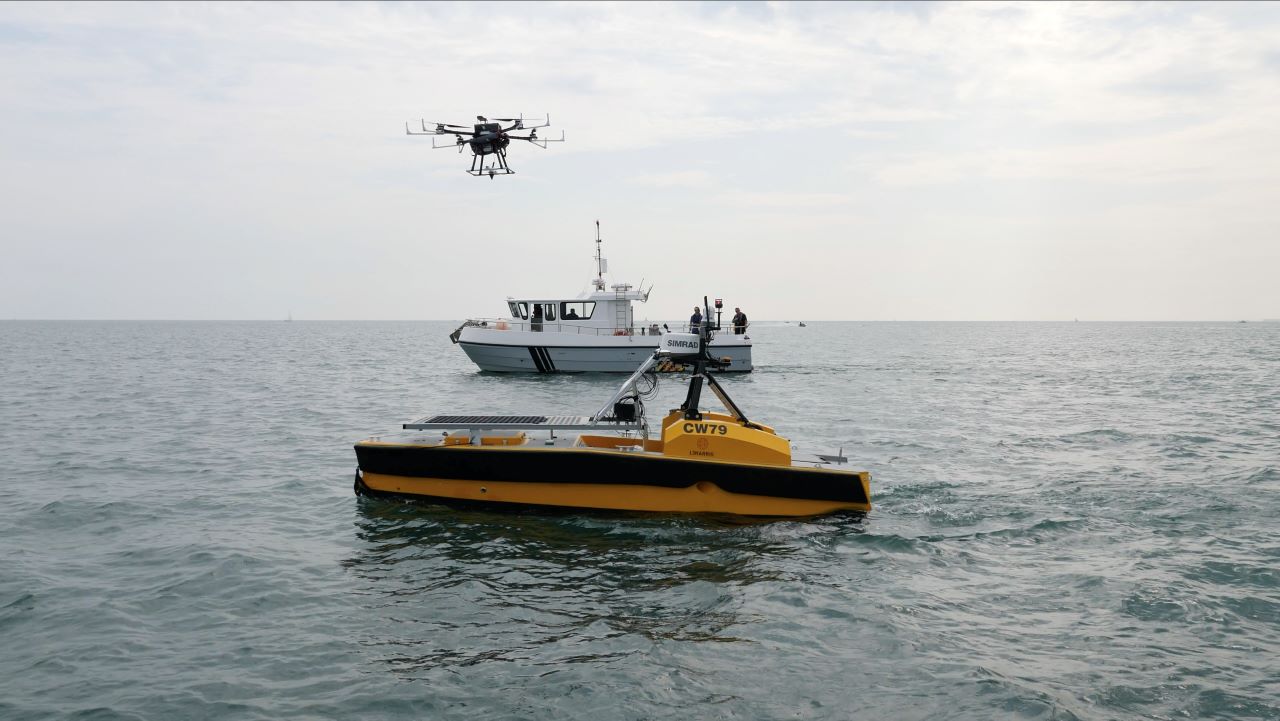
pixel 593 332
pixel 802 325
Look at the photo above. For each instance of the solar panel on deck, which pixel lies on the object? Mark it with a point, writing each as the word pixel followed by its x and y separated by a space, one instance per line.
pixel 472 420
pixel 515 423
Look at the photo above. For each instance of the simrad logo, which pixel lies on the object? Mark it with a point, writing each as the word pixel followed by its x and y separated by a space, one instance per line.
pixel 682 343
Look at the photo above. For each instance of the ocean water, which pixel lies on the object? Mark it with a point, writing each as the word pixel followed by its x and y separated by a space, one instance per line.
pixel 1071 521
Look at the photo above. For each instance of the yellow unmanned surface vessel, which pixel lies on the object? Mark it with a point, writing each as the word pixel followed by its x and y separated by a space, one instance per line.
pixel 699 461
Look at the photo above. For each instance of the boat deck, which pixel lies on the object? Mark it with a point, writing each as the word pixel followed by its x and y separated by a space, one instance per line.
pixel 619 438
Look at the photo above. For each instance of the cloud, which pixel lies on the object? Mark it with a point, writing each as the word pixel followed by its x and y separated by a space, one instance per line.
pixel 1232 150
pixel 783 199
pixel 678 179
pixel 276 130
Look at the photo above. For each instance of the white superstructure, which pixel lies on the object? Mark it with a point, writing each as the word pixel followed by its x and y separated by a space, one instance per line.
pixel 595 331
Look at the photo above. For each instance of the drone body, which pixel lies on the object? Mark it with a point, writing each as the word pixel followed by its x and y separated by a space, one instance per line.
pixel 488 138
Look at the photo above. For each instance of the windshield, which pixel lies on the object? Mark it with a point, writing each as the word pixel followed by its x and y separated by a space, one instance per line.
pixel 578 310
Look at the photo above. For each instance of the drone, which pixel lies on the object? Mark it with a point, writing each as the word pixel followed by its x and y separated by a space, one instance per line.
pixel 488 137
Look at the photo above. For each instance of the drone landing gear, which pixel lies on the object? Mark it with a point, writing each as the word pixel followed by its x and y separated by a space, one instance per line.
pixel 495 169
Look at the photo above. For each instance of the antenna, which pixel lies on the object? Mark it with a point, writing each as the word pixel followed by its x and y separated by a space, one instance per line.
pixel 600 262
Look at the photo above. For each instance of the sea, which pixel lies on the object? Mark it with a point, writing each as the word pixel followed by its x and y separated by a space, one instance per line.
pixel 1071 521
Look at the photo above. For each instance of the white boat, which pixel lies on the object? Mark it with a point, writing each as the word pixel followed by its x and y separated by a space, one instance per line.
pixel 593 332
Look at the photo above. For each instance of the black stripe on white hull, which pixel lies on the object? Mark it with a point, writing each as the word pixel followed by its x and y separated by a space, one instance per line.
pixel 539 359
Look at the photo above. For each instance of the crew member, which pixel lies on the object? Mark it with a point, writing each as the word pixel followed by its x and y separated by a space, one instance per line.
pixel 739 321
pixel 535 323
pixel 695 320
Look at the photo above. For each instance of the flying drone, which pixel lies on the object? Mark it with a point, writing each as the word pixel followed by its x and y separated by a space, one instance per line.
pixel 488 137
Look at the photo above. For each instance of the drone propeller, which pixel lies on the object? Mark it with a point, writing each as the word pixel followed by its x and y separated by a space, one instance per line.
pixel 440 126
pixel 520 123
pixel 439 129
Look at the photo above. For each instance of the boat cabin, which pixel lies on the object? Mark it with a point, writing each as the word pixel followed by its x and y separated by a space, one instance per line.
pixel 600 309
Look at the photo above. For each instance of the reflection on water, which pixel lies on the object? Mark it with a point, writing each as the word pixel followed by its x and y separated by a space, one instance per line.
pixel 458 587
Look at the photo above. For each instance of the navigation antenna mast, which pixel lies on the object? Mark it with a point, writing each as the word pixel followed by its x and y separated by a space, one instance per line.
pixel 601 264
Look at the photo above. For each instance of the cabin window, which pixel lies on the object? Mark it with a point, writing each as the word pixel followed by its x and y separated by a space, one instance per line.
pixel 524 311
pixel 549 311
pixel 581 310
pixel 515 311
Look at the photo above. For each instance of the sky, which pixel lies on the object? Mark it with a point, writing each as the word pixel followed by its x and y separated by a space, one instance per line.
pixel 845 161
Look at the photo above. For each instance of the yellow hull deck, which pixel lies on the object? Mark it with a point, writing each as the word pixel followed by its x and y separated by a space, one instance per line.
pixel 701 497
pixel 571 474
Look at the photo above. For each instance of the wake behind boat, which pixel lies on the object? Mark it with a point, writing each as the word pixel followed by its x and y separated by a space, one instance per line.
pixel 595 331
pixel 700 461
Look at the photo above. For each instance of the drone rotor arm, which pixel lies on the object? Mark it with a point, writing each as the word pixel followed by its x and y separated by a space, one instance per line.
pixel 540 142
pixel 533 139
pixel 459 144
pixel 458 133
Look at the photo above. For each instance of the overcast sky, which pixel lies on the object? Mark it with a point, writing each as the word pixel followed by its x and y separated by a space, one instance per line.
pixel 909 161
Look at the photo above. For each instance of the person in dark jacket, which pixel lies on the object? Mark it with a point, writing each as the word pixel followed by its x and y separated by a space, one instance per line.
pixel 695 320
pixel 739 322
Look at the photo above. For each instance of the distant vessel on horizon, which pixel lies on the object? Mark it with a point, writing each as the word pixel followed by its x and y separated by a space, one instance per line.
pixel 594 332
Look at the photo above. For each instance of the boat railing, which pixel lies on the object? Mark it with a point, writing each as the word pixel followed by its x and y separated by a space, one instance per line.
pixel 688 328
pixel 575 329
pixel 559 327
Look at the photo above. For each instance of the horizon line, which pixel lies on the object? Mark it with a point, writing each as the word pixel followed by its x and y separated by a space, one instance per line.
pixel 453 320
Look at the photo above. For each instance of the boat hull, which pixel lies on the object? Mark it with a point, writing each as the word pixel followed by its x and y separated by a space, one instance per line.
pixel 521 352
pixel 605 480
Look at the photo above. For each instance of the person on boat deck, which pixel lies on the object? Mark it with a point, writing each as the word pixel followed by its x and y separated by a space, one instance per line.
pixel 535 323
pixel 695 320
pixel 739 322
pixel 571 314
